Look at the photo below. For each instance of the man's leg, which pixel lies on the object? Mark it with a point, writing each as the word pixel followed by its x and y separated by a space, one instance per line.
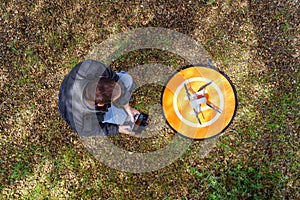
pixel 126 79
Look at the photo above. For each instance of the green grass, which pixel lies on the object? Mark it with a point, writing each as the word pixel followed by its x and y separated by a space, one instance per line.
pixel 20 169
pixel 256 158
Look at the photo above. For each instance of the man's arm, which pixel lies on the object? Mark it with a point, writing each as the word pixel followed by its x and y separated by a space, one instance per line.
pixel 114 129
pixel 109 129
pixel 131 111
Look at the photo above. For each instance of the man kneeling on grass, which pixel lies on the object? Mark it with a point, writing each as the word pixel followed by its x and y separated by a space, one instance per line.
pixel 94 100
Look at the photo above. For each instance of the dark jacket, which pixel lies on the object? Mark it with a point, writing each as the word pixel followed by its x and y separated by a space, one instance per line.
pixel 84 120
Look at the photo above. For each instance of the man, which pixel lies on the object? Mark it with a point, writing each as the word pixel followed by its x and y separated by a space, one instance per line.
pixel 94 100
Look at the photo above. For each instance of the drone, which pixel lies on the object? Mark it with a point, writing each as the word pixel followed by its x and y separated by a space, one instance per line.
pixel 197 99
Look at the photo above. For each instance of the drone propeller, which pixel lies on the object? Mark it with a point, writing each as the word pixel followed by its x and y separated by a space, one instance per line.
pixel 213 107
pixel 204 86
pixel 187 92
pixel 196 114
pixel 200 111
pixel 202 115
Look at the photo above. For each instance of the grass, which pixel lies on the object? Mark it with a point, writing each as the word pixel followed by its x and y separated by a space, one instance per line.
pixel 256 158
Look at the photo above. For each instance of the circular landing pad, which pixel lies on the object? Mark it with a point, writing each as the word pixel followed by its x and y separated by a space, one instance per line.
pixel 199 102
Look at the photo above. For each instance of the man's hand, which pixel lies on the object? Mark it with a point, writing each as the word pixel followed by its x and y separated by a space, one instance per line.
pixel 125 129
pixel 131 111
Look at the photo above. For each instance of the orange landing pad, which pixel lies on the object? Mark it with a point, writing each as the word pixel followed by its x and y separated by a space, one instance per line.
pixel 199 102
